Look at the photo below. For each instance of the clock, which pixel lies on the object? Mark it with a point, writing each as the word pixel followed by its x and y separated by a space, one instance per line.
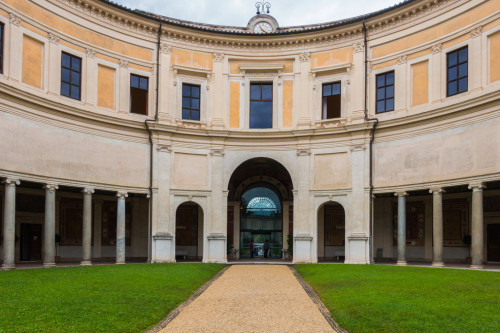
pixel 262 28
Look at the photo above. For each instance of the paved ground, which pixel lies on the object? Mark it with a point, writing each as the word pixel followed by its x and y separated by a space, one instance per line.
pixel 252 298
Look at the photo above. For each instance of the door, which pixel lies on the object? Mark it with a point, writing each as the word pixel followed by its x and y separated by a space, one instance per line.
pixel 493 242
pixel 31 242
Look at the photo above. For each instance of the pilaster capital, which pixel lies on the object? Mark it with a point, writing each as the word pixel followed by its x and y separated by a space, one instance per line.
pixel 88 190
pixel 219 57
pixel 14 19
pixel 305 56
pixel 400 194
pixel 90 53
pixel 51 187
pixel 53 38
pixel 166 49
pixel 123 63
pixel 477 32
pixel 121 194
pixel 477 186
pixel 359 47
pixel 217 152
pixel 11 181
pixel 303 152
pixel 436 189
pixel 436 48
pixel 402 60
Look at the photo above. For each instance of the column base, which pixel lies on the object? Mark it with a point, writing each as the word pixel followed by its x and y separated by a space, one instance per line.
pixel 438 264
pixel 86 263
pixel 8 267
pixel 476 266
pixel 120 263
pixel 401 263
pixel 49 264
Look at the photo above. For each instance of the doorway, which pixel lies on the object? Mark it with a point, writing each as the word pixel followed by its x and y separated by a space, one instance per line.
pixel 189 232
pixel 31 242
pixel 493 242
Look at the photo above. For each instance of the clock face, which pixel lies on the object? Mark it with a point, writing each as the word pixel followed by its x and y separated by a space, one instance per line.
pixel 262 28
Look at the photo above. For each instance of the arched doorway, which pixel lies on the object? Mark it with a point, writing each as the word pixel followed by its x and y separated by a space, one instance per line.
pixel 189 232
pixel 331 232
pixel 260 208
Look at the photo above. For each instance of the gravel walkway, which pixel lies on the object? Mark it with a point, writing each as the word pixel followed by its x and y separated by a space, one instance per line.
pixel 252 298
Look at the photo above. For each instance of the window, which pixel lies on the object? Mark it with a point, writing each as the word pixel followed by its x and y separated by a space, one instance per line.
pixel 1 47
pixel 385 92
pixel 190 102
pixel 457 71
pixel 331 100
pixel 71 68
pixel 138 94
pixel 261 105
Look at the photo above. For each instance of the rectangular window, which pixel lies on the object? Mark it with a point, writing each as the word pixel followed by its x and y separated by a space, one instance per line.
pixel 1 47
pixel 385 92
pixel 138 94
pixel 190 102
pixel 331 100
pixel 261 105
pixel 71 68
pixel 457 65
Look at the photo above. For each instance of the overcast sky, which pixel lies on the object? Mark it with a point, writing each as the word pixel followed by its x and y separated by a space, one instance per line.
pixel 238 12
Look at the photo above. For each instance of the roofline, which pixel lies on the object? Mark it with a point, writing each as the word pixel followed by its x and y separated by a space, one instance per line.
pixel 213 28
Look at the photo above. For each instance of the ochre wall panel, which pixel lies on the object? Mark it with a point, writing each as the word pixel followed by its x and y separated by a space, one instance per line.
pixel 456 41
pixel 192 59
pixel 439 31
pixel 385 64
pixel 420 83
pixel 494 57
pixel 190 169
pixel 491 25
pixel 419 54
pixel 234 105
pixel 106 87
pixel 287 103
pixel 33 29
pixel 332 57
pixel 76 31
pixel 32 61
pixel 71 46
pixel 332 171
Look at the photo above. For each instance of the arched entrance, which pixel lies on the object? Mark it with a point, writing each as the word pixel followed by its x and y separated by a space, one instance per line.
pixel 189 232
pixel 331 232
pixel 260 208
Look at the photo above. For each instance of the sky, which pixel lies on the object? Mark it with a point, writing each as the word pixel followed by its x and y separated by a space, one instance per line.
pixel 239 12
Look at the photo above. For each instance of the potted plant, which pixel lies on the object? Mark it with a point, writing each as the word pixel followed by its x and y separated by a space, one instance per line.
pixel 468 241
pixel 289 241
pixel 58 240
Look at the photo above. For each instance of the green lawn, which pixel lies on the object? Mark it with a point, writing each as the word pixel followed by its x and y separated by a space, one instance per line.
pixel 407 299
pixel 121 298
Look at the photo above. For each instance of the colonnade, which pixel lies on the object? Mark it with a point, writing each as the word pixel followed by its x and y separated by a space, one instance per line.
pixel 49 229
pixel 477 226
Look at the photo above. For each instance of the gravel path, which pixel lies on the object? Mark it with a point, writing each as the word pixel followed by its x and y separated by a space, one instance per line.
pixel 252 298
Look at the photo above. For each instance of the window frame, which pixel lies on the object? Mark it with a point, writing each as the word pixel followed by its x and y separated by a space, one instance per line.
pixel 131 95
pixel 191 85
pixel 385 86
pixel 323 111
pixel 458 78
pixel 2 43
pixel 261 83
pixel 71 71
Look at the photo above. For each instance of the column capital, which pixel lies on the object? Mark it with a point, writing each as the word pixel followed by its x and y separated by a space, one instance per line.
pixel 400 194
pixel 51 187
pixel 436 189
pixel 121 194
pixel 88 190
pixel 11 181
pixel 477 186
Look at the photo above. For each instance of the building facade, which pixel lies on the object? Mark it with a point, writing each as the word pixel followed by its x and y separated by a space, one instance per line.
pixel 133 136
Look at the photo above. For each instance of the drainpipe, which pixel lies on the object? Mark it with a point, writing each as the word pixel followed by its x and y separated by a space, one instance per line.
pixel 372 137
pixel 150 190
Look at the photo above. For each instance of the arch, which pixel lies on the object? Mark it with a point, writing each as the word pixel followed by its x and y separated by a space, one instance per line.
pixel 331 237
pixel 189 230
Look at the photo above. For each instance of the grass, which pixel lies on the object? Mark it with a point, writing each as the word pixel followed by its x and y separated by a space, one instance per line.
pixel 407 299
pixel 122 298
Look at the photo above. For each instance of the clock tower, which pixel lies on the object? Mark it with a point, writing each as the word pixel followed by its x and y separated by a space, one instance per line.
pixel 262 23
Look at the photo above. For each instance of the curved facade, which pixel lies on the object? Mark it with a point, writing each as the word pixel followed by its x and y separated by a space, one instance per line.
pixel 377 135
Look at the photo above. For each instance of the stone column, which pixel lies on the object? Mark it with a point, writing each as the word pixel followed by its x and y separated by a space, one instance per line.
pixel 401 227
pixel 87 227
pixel 437 225
pixel 9 224
pixel 120 227
pixel 49 227
pixel 477 225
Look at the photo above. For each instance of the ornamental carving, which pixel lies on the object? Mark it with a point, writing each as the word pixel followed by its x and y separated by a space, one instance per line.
pixel 166 49
pixel 303 152
pixel 123 63
pixel 11 181
pixel 121 194
pixel 217 152
pixel 53 38
pixel 90 53
pixel 304 57
pixel 477 32
pixel 88 190
pixel 359 47
pixel 51 187
pixel 477 186
pixel 402 60
pixel 14 19
pixel 436 48
pixel 219 57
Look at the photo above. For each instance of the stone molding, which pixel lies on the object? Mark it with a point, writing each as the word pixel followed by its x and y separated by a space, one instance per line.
pixel 13 19
pixel 121 194
pixel 217 152
pixel 303 152
pixel 303 237
pixel 162 236
pixel 216 235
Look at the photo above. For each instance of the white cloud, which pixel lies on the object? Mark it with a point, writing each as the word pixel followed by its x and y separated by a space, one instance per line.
pixel 239 12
